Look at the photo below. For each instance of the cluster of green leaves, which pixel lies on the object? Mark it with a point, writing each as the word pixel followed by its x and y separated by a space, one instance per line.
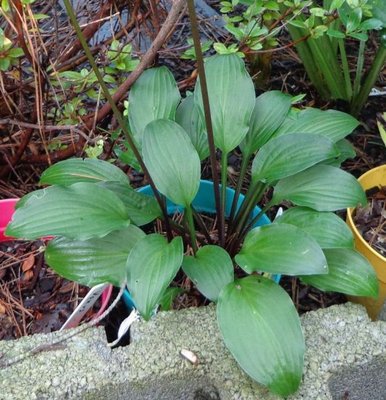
pixel 83 84
pixel 9 55
pixel 324 53
pixel 340 19
pixel 190 54
pixel 325 27
pixel 249 25
pixel 96 216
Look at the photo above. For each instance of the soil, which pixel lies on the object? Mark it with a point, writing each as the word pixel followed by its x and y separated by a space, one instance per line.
pixel 371 220
pixel 33 299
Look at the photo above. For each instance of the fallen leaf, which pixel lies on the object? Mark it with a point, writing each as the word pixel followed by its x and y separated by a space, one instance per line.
pixel 27 276
pixel 2 309
pixel 28 263
pixel 67 287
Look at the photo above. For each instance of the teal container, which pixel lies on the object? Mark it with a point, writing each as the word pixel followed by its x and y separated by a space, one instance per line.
pixel 205 202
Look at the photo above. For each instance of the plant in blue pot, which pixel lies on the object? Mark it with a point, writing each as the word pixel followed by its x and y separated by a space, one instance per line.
pixel 288 155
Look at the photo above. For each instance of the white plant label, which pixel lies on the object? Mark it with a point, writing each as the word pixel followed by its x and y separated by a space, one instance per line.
pixel 89 300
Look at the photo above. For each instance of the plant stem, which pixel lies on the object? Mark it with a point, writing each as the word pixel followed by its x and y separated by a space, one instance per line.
pixel 257 191
pixel 224 179
pixel 117 113
pixel 255 220
pixel 192 230
pixel 360 99
pixel 360 62
pixel 252 197
pixel 346 71
pixel 243 171
pixel 202 226
pixel 208 119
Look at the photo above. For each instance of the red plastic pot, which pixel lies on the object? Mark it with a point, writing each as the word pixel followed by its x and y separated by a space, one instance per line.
pixel 7 208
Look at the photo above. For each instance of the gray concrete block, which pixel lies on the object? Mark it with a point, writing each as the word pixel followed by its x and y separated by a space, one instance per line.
pixel 362 382
pixel 153 368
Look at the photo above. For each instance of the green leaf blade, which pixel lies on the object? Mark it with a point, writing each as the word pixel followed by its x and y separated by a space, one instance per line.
pixel 154 95
pixel 349 273
pixel 210 270
pixel 322 188
pixel 261 328
pixel 172 161
pixel 141 208
pixel 231 97
pixel 94 261
pixel 281 249
pixel 189 117
pixel 333 124
pixel 75 170
pixel 151 266
pixel 285 156
pixel 271 109
pixel 70 211
pixel 326 228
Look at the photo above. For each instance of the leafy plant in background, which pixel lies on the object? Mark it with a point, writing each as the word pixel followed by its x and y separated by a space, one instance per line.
pixel 83 85
pixel 320 35
pixel 9 55
pixel 95 215
pixel 254 24
pixel 324 53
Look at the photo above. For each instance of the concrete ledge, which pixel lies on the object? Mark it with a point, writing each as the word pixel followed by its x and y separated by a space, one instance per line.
pixel 339 339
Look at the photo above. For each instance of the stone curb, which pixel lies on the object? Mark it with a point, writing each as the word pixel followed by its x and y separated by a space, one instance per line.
pixel 344 351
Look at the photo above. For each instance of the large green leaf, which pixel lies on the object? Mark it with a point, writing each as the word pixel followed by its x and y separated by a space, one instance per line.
pixel 80 211
pixel 75 170
pixel 189 117
pixel 325 227
pixel 151 266
pixel 93 261
pixel 281 249
pixel 270 110
pixel 333 124
pixel 154 95
pixel 172 161
pixel 140 207
pixel 348 272
pixel 321 187
pixel 290 154
pixel 211 269
pixel 231 97
pixel 261 328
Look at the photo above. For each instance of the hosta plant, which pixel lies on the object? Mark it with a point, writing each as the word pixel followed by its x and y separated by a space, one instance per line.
pixel 289 157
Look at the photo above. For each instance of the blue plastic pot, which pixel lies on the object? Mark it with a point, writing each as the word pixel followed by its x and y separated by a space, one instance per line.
pixel 205 202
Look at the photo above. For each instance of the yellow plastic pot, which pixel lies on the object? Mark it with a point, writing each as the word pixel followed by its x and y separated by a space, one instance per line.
pixel 374 177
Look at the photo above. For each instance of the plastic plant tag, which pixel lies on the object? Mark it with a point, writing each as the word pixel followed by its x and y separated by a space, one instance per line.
pixel 279 213
pixel 90 299
pixel 124 327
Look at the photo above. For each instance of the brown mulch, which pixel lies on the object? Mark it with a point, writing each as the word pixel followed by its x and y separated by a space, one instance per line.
pixel 33 299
